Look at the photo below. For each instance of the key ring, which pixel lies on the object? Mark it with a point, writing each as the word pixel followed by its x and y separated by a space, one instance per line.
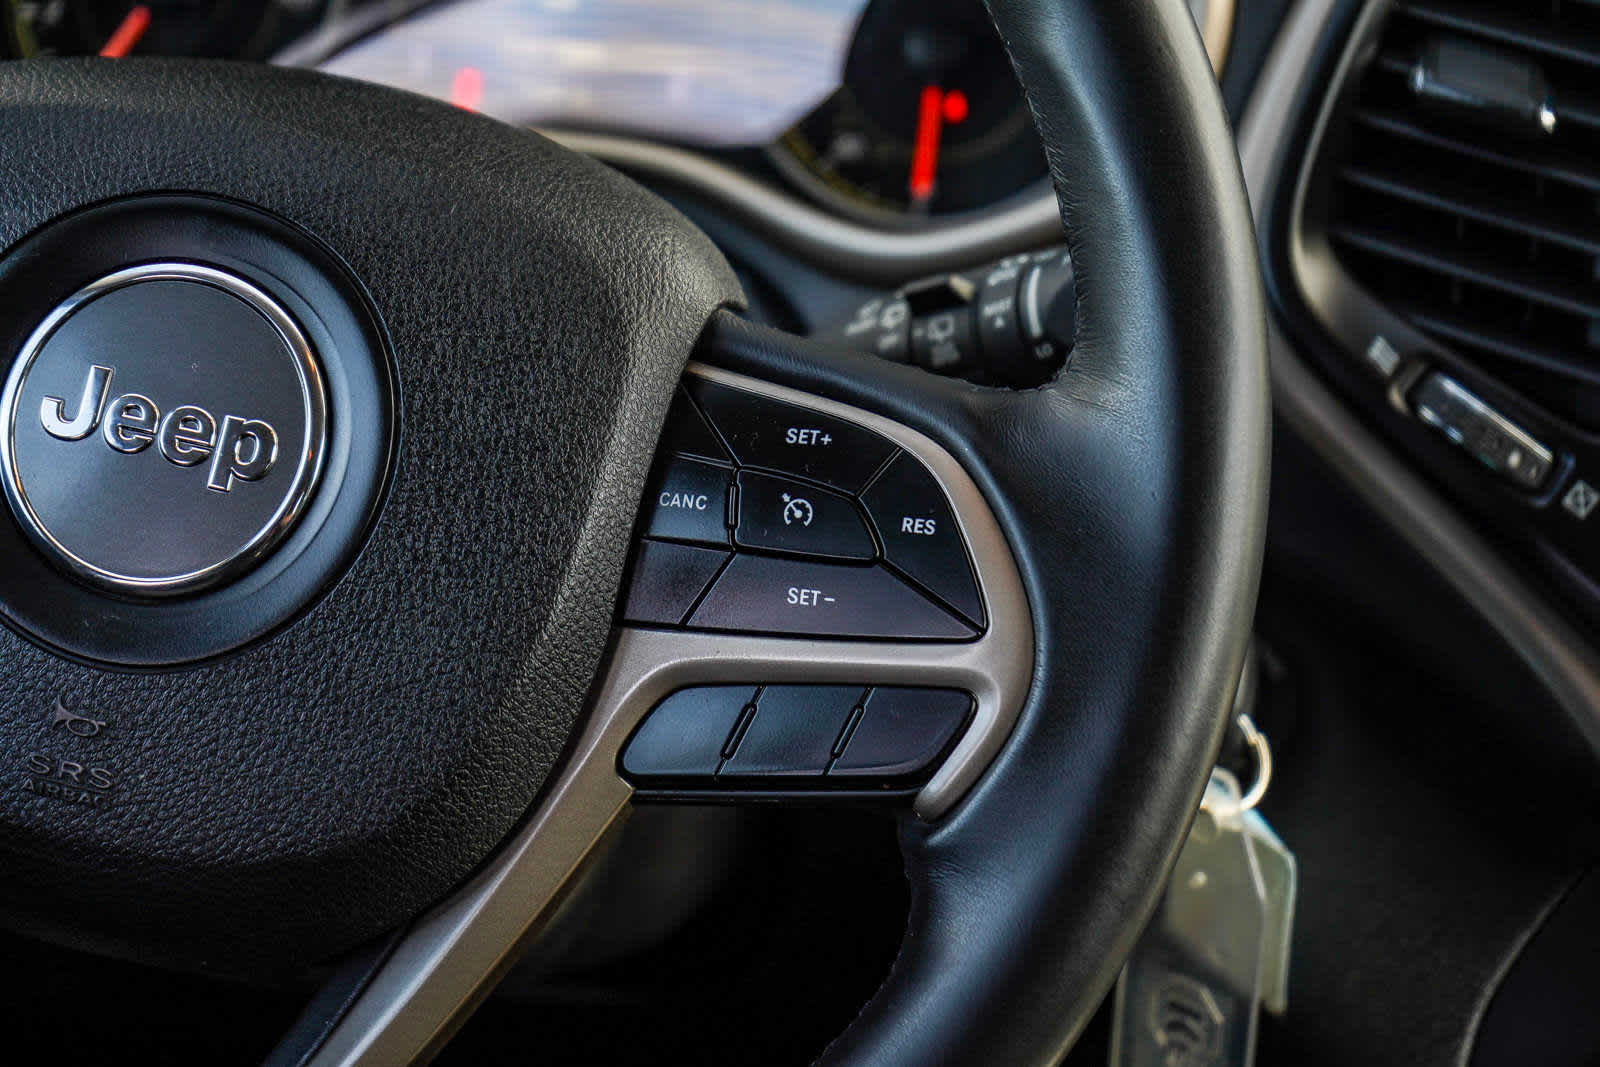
pixel 1263 756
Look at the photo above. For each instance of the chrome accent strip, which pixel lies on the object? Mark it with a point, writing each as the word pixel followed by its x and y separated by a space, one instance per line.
pixel 310 454
pixel 850 248
pixel 454 954
pixel 1538 632
pixel 1216 29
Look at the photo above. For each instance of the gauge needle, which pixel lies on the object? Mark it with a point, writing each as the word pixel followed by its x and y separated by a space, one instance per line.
pixel 935 110
pixel 925 148
pixel 127 33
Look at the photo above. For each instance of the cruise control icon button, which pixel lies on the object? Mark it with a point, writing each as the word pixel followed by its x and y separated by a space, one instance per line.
pixel 788 516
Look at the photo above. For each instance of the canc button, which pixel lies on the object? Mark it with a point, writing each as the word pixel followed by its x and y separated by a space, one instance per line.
pixel 688 501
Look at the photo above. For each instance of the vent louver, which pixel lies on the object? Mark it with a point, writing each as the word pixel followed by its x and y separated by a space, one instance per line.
pixel 1466 195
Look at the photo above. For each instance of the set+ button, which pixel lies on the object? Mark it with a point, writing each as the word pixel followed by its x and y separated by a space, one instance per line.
pixel 780 436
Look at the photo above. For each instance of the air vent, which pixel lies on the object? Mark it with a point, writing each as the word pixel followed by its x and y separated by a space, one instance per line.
pixel 1466 191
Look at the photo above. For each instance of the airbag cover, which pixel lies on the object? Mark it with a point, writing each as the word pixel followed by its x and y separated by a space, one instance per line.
pixel 316 788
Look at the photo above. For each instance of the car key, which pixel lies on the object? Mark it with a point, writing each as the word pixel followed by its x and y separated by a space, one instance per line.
pixel 1217 948
pixel 1280 879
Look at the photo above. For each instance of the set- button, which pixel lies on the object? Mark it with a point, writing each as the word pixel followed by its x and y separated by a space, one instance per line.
pixel 756 594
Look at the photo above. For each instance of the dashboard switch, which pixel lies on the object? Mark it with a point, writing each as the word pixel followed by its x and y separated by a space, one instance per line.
pixel 684 736
pixel 759 594
pixel 945 342
pixel 1012 322
pixel 999 332
pixel 667 580
pixel 1490 437
pixel 920 536
pixel 1049 307
pixel 688 501
pixel 882 327
pixel 785 516
pixel 783 437
pixel 793 732
pixel 901 733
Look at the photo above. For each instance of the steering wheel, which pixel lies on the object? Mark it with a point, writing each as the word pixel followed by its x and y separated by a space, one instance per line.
pixel 329 420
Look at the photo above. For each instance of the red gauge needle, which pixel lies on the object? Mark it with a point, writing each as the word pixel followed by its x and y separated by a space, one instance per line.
pixel 466 88
pixel 127 33
pixel 925 148
pixel 935 110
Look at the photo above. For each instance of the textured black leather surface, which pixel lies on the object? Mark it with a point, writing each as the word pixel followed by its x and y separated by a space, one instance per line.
pixel 1133 489
pixel 307 793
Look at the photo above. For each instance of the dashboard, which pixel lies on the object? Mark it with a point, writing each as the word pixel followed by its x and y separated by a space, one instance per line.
pixel 842 151
pixel 891 113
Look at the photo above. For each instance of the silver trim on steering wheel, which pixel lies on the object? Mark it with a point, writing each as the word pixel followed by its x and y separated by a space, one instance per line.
pixel 453 955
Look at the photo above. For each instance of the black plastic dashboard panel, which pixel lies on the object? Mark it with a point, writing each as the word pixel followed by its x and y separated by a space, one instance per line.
pixel 1272 139
pixel 1385 366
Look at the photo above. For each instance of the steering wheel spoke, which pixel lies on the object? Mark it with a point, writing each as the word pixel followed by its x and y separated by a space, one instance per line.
pixel 718 712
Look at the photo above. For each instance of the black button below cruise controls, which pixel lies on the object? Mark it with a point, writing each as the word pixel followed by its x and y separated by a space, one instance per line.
pixel 901 733
pixel 685 735
pixel 793 732
pixel 667 580
pixel 764 432
pixel 787 516
pixel 764 595
pixel 688 501
pixel 920 535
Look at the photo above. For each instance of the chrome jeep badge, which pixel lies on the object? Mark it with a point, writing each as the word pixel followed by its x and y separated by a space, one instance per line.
pixel 162 429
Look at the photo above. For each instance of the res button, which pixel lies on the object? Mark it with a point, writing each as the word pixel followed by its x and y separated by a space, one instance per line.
pixel 920 535
pixel 784 437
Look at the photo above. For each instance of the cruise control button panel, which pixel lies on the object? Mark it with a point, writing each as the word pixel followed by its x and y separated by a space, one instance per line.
pixel 732 741
pixel 834 531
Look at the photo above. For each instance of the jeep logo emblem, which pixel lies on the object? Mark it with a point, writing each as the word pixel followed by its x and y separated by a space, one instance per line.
pixel 188 435
pixel 162 429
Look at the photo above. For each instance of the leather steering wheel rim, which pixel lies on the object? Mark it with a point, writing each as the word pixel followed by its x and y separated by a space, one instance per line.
pixel 1141 560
